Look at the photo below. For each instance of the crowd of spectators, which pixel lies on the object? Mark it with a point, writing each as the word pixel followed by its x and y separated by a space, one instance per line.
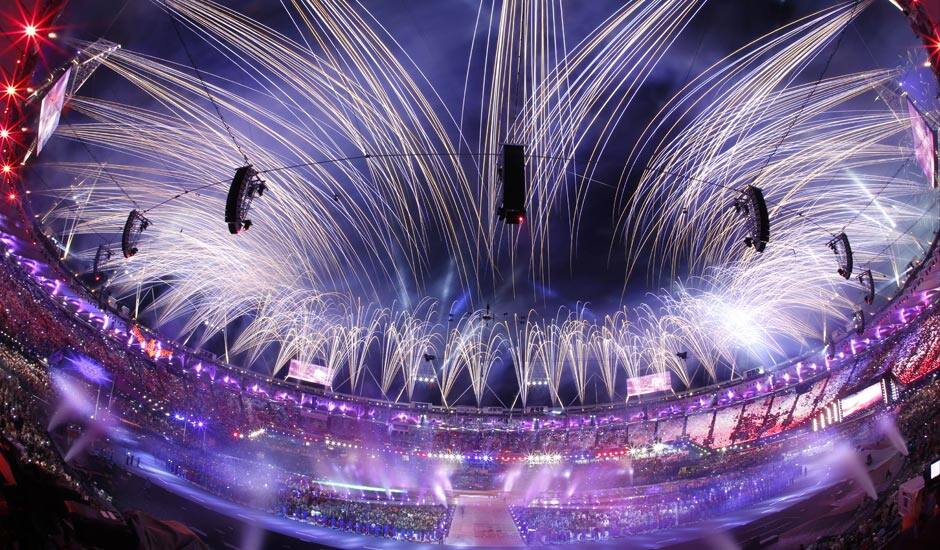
pixel 877 522
pixel 807 403
pixel 642 434
pixel 670 429
pixel 778 417
pixel 231 406
pixel 726 420
pixel 701 490
pixel 19 411
pixel 917 353
pixel 36 482
pixel 159 393
pixel 698 427
pixel 752 420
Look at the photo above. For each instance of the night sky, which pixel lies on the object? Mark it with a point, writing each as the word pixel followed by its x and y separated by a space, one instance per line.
pixel 437 35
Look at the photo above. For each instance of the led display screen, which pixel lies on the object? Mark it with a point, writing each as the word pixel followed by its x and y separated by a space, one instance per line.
pixel 925 143
pixel 649 384
pixel 861 400
pixel 50 110
pixel 309 372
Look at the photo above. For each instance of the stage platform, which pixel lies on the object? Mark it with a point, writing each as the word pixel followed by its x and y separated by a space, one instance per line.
pixel 482 521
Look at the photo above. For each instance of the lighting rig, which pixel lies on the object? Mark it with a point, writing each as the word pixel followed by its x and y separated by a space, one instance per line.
pixel 843 250
pixel 868 285
pixel 427 373
pixel 246 185
pixel 751 205
pixel 135 225
pixel 102 257
pixel 858 321
pixel 512 174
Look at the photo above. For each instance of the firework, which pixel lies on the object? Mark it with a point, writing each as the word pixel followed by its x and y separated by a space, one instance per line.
pixel 372 177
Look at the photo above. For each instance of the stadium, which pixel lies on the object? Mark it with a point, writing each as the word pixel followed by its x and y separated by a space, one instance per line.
pixel 469 273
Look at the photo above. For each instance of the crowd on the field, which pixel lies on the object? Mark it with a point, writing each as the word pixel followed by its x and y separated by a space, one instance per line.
pixel 610 513
pixel 393 513
pixel 308 500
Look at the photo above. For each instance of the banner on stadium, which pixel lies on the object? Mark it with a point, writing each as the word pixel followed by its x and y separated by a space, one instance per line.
pixel 651 383
pixel 861 400
pixel 51 110
pixel 309 372
pixel 925 144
